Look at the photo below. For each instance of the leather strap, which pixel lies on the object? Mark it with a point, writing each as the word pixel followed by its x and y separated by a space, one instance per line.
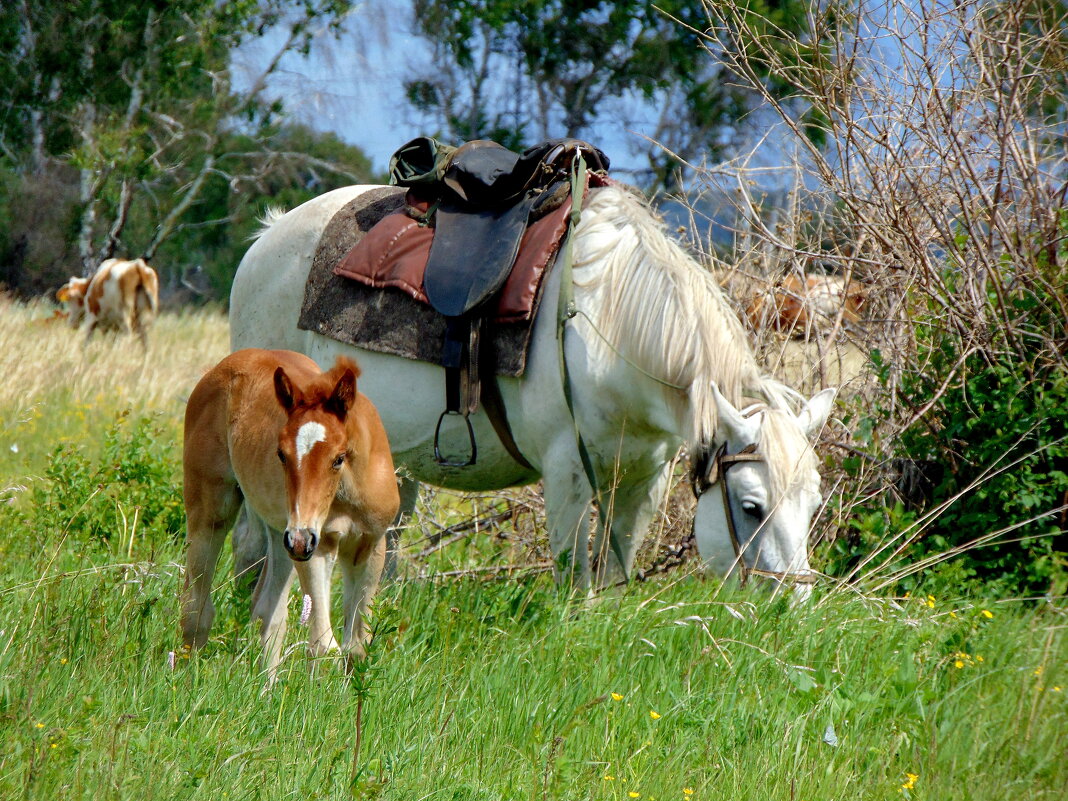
pixel 565 311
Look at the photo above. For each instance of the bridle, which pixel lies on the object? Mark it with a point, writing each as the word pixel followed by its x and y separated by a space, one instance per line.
pixel 711 468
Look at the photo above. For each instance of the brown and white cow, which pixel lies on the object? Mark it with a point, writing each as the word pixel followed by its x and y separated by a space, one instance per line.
pixel 802 305
pixel 123 295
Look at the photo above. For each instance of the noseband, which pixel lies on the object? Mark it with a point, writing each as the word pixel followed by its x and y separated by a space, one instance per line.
pixel 710 471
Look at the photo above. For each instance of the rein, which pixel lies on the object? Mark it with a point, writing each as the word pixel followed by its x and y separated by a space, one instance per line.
pixel 566 310
pixel 717 474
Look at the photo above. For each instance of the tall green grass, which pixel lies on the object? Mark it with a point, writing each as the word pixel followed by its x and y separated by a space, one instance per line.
pixel 670 689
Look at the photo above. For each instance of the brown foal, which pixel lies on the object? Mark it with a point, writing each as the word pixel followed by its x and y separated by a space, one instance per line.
pixel 307 454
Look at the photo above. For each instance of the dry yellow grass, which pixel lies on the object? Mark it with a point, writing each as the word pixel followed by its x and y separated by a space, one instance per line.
pixel 58 388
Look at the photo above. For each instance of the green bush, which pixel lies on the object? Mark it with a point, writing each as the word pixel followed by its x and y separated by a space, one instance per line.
pixel 132 489
pixel 999 440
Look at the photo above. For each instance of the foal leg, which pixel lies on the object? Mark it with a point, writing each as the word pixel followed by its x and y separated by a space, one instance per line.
pixel 211 506
pixel 269 601
pixel 361 573
pixel 249 542
pixel 315 575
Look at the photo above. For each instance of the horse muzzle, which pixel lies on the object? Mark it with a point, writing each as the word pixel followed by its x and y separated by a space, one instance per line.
pixel 300 543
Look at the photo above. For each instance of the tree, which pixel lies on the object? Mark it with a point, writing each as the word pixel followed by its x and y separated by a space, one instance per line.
pixel 111 109
pixel 516 70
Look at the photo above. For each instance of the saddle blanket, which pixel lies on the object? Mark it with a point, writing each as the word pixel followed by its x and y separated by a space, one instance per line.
pixel 385 310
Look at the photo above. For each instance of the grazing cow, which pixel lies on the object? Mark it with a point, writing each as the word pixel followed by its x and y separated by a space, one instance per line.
pixel 308 456
pixel 800 305
pixel 121 296
pixel 72 294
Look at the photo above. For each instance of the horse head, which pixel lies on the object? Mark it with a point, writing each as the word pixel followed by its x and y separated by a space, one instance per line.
pixel 758 491
pixel 314 450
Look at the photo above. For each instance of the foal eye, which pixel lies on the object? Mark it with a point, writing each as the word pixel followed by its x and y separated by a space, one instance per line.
pixel 340 460
pixel 281 456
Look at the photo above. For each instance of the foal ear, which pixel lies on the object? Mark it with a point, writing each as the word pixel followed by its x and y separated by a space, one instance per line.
pixel 816 411
pixel 284 390
pixel 340 400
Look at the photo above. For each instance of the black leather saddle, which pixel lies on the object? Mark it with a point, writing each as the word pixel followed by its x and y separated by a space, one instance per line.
pixel 482 197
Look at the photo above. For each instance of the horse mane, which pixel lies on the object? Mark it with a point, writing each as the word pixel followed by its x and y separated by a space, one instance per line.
pixel 786 451
pixel 665 313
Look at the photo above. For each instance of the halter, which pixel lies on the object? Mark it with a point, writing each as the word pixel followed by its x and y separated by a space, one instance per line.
pixel 705 475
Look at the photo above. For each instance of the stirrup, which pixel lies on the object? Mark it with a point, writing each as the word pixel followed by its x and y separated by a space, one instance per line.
pixel 441 460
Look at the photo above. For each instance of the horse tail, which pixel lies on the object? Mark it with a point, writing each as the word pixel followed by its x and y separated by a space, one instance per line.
pixel 271 215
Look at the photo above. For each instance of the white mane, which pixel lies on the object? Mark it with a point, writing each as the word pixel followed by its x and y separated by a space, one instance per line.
pixel 663 311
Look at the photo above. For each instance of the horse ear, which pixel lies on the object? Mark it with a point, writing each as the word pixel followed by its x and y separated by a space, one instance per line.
pixel 284 390
pixel 816 411
pixel 738 428
pixel 341 399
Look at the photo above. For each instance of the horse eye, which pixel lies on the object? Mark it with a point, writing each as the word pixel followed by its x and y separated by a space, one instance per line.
pixel 340 460
pixel 281 456
pixel 753 509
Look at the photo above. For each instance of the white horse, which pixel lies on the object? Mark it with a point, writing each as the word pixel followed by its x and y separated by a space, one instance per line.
pixel 657 360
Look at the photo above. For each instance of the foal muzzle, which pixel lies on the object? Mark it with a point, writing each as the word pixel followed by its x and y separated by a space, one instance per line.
pixel 300 543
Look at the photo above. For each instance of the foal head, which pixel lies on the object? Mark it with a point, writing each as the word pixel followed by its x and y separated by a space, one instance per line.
pixel 314 448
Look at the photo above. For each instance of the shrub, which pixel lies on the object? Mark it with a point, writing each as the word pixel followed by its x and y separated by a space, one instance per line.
pixel 131 489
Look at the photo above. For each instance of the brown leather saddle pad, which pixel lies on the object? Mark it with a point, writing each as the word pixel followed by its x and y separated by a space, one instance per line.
pixel 365 287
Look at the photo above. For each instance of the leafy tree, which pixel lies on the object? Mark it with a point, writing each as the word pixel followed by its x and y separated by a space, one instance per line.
pixel 515 70
pixel 112 110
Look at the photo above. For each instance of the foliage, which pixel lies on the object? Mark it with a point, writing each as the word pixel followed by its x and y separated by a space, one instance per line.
pixel 942 190
pixel 517 70
pixel 116 112
pixel 132 490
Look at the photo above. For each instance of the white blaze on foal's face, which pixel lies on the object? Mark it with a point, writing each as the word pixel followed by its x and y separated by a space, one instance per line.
pixel 307 436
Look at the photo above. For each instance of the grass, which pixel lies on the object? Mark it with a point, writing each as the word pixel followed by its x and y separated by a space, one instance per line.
pixel 497 689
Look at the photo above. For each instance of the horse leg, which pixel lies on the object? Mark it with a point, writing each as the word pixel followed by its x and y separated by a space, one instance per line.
pixel 567 505
pixel 632 511
pixel 361 575
pixel 315 577
pixel 269 601
pixel 409 494
pixel 211 506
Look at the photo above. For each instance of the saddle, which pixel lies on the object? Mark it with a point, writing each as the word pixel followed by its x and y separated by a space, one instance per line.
pixel 480 199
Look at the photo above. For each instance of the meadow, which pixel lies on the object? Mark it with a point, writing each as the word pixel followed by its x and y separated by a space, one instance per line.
pixel 478 686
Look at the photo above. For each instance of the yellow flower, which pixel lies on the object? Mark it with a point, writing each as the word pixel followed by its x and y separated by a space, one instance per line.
pixel 958 664
pixel 608 778
pixel 40 725
pixel 1038 671
pixel 930 602
pixel 953 615
pixel 1056 688
pixel 633 794
pixel 978 659
pixel 63 661
pixel 687 790
pixel 54 745
pixel 654 715
pixel 987 614
pixel 617 697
